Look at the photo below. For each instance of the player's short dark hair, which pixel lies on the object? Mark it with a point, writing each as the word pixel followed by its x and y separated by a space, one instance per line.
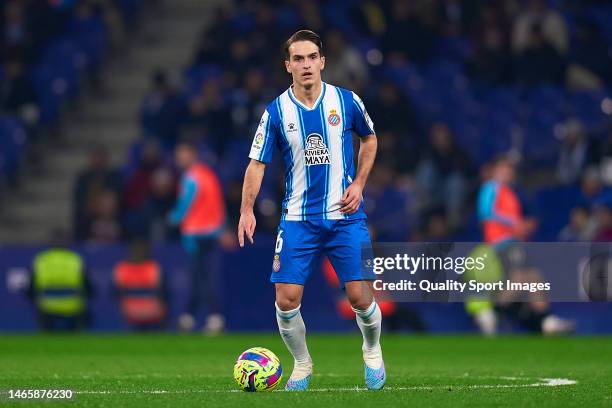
pixel 303 35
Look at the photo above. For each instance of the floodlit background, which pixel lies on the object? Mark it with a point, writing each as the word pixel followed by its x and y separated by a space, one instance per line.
pixel 94 95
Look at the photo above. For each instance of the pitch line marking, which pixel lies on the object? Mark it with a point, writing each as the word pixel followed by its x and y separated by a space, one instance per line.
pixel 542 382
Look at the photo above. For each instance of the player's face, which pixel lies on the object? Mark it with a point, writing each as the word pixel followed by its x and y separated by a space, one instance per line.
pixel 305 63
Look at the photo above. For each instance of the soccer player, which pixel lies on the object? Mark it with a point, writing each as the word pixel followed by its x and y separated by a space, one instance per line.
pixel 311 123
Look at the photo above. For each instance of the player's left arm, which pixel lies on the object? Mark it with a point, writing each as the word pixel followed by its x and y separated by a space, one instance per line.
pixel 364 127
pixel 354 193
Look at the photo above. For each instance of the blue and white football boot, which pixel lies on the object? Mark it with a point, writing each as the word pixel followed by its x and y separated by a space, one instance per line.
pixel 375 374
pixel 300 377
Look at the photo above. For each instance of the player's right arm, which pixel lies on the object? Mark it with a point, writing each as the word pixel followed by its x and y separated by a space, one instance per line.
pixel 260 154
pixel 252 183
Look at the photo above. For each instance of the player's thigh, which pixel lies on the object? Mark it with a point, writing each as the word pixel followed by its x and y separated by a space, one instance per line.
pixel 297 252
pixel 349 249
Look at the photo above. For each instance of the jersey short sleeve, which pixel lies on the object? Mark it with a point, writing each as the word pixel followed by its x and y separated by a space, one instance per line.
pixel 264 140
pixel 362 123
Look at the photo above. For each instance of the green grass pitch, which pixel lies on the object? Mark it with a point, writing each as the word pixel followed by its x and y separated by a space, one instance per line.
pixel 195 371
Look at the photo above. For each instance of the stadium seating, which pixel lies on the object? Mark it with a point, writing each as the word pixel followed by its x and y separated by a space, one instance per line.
pixel 485 120
pixel 58 75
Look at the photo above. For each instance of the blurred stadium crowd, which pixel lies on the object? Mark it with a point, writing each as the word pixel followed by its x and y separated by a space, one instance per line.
pixel 448 83
pixel 49 51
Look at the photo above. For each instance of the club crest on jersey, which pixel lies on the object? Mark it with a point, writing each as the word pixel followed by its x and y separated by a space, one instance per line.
pixel 276 263
pixel 333 118
pixel 316 151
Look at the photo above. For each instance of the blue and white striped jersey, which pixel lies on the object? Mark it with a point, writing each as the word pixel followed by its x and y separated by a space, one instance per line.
pixel 317 148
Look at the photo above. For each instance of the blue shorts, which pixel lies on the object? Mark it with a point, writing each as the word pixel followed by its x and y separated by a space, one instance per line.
pixel 301 244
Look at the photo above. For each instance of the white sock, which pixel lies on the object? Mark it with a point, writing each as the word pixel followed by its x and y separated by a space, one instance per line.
pixel 293 331
pixel 370 322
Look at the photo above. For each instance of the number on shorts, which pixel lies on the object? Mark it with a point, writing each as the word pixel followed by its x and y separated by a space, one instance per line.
pixel 279 242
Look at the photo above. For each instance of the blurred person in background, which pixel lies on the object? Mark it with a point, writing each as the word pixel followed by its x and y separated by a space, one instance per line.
pixel 602 210
pixel 90 182
pixel 582 227
pixel 491 62
pixel 88 18
pixel 242 57
pixel 441 175
pixel 551 23
pixel 368 18
pixel 148 195
pixel 407 38
pixel 456 17
pixel 137 188
pixel 437 228
pixel 16 36
pixel 605 160
pixel 210 48
pixel 210 114
pixel 346 66
pixel 310 15
pixel 17 93
pixel 489 16
pixel 396 113
pixel 591 188
pixel 266 30
pixel 577 153
pixel 589 59
pixel 159 204
pixel 141 288
pixel 247 103
pixel 400 153
pixel 59 286
pixel 200 212
pixel 505 228
pixel 105 224
pixel 399 144
pixel 115 23
pixel 162 111
pixel 539 62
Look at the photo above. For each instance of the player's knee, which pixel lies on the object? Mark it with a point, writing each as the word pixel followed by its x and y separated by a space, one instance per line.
pixel 287 302
pixel 359 295
pixel 288 297
pixel 360 301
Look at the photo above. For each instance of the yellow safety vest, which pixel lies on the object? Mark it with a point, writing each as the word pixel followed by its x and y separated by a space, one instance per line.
pixel 492 272
pixel 58 282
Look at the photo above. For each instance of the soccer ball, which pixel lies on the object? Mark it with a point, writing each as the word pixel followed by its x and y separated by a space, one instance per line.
pixel 258 369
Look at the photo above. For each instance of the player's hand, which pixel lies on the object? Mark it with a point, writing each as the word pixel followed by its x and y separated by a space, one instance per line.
pixel 351 199
pixel 246 225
